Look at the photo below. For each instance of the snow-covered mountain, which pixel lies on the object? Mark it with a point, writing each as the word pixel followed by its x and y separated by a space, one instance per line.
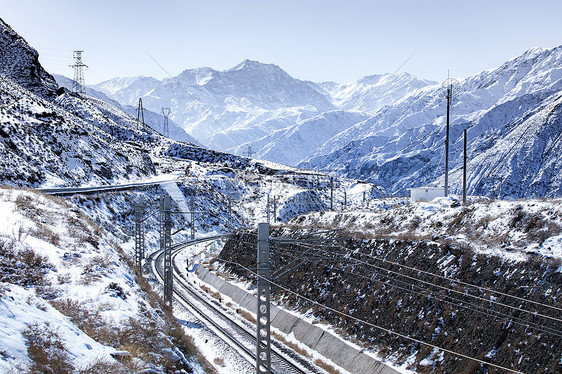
pixel 295 143
pixel 245 102
pixel 260 105
pixel 402 144
pixel 371 93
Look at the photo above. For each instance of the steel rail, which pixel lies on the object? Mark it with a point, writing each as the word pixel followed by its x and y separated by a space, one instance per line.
pixel 280 364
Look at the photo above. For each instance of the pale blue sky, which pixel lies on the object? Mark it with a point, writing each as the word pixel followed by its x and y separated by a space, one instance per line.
pixel 314 40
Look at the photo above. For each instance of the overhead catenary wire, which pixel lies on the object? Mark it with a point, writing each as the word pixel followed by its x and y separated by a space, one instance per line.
pixel 294 253
pixel 389 331
pixel 521 320
pixel 462 282
pixel 454 290
pixel 437 296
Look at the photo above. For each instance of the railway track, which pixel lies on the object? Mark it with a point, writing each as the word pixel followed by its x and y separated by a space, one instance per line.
pixel 232 332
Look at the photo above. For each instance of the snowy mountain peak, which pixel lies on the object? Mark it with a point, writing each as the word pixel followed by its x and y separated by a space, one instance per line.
pixel 198 76
pixel 401 145
pixel 248 64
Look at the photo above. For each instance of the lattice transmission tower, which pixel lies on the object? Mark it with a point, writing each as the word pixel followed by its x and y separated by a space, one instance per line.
pixel 79 86
pixel 166 129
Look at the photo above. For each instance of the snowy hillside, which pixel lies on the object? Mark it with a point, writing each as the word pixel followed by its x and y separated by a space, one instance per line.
pixel 402 144
pixel 152 119
pixel 40 138
pixel 70 301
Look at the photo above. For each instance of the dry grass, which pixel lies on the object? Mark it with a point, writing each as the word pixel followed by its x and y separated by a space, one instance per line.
pixel 293 346
pixel 225 276
pixel 44 232
pixel 103 367
pixel 246 315
pixel 327 367
pixel 214 294
pixel 46 350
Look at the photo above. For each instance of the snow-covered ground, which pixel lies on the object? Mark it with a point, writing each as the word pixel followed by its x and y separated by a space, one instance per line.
pixel 66 286
pixel 512 229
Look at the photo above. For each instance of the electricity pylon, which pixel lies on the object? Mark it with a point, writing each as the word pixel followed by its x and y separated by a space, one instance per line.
pixel 78 86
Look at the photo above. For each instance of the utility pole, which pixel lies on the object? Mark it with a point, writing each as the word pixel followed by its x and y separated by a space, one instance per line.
pixel 139 234
pixel 464 172
pixel 166 247
pixel 191 214
pixel 331 192
pixel 166 129
pixel 449 96
pixel 140 115
pixel 78 86
pixel 447 143
pixel 263 356
pixel 229 210
pixel 344 199
pixel 274 209
pixel 267 209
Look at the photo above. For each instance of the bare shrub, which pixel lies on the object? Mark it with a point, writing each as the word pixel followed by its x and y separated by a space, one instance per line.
pixel 23 267
pixel 64 278
pixel 44 232
pixel 89 321
pixel 117 291
pixel 46 350
pixel 26 205
pixel 83 229
pixel 19 232
pixel 414 223
pixel 103 367
pixel 219 361
pixel 96 267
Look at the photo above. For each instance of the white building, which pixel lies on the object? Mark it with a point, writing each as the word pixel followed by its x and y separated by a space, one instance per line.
pixel 426 193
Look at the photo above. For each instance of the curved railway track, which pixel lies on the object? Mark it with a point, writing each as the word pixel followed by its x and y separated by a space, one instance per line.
pixel 232 332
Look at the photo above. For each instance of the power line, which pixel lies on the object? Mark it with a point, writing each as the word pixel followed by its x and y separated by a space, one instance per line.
pixel 454 290
pixel 372 324
pixel 437 296
pixel 460 282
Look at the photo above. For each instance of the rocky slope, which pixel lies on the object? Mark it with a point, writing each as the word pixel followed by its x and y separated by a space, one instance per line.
pixel 152 119
pixel 20 62
pixel 482 281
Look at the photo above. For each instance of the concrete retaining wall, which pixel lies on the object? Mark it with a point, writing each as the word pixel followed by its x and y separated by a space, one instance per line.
pixel 318 339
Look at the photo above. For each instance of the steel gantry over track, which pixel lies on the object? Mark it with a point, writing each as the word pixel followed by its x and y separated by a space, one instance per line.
pixel 166 244
pixel 263 356
pixel 139 234
pixel 263 333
